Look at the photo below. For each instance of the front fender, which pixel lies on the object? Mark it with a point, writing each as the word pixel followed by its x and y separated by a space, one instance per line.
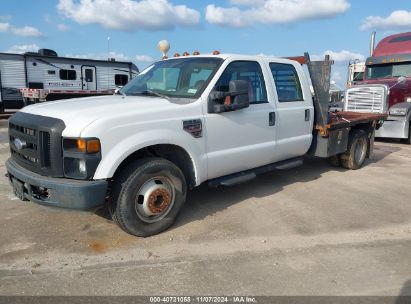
pixel 116 154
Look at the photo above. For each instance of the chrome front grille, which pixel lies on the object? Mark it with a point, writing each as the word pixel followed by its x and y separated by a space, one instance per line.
pixel 366 99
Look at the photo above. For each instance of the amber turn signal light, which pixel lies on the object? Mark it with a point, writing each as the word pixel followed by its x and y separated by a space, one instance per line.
pixel 81 145
pixel 93 146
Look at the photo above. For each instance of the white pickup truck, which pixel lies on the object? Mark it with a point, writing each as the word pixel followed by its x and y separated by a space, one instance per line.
pixel 179 123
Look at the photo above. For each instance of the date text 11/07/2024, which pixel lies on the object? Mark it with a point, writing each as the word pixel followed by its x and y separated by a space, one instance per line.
pixel 204 299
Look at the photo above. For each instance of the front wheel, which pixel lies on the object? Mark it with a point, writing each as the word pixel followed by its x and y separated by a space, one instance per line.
pixel 356 153
pixel 148 196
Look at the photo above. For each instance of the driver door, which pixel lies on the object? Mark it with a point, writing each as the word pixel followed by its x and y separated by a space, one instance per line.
pixel 245 138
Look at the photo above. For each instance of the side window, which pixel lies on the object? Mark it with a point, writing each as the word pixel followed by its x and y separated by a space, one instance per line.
pixel 287 82
pixel 68 75
pixel 249 71
pixel 120 80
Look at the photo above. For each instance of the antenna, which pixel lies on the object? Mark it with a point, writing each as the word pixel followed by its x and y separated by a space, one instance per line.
pixel 108 48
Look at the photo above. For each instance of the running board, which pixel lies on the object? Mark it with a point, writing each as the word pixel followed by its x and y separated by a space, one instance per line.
pixel 289 165
pixel 245 176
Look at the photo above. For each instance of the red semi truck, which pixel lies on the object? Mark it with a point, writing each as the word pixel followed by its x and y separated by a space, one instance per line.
pixel 386 86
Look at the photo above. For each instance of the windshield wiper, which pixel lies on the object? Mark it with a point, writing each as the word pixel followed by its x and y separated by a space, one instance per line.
pixel 153 93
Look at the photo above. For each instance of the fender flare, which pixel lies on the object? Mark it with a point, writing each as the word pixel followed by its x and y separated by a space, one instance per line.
pixel 126 147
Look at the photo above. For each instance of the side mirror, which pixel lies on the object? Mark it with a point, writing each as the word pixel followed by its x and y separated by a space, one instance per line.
pixel 236 98
pixel 401 80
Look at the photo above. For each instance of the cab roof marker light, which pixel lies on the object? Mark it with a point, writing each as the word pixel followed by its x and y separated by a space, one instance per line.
pixel 176 55
pixel 186 54
pixel 195 53
pixel 216 53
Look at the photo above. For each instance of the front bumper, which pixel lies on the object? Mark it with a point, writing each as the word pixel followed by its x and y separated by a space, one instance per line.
pixel 394 128
pixel 56 192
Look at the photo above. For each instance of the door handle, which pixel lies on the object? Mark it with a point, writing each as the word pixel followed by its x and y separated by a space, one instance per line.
pixel 271 119
pixel 307 114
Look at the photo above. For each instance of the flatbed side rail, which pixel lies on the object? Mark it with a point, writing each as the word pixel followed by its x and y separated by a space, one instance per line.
pixel 344 119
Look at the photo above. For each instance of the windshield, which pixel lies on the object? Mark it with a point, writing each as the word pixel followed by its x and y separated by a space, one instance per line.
pixel 175 78
pixel 389 70
pixel 358 76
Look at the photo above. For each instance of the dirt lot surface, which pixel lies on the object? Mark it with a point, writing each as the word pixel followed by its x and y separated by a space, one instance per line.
pixel 313 230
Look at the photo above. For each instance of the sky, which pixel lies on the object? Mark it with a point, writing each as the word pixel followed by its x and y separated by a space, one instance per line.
pixel 129 30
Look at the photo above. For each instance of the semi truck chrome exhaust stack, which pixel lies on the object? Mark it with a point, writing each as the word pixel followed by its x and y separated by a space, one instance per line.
pixel 372 43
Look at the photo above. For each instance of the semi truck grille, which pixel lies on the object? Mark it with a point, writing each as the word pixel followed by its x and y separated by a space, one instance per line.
pixel 35 143
pixel 366 98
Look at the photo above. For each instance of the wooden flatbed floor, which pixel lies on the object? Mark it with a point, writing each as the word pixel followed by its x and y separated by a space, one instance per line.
pixel 344 119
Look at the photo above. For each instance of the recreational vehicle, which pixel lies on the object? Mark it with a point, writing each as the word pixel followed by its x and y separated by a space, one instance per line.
pixel 43 76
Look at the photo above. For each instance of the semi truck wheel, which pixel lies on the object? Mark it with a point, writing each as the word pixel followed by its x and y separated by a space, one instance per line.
pixel 407 141
pixel 148 196
pixel 356 153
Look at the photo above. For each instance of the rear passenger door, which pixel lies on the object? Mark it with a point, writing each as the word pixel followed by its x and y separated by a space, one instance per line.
pixel 295 110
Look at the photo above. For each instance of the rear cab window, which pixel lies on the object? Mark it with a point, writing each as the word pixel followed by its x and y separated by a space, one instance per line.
pixel 287 82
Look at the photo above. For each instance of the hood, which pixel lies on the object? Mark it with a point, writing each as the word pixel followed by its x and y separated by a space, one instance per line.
pixel 78 113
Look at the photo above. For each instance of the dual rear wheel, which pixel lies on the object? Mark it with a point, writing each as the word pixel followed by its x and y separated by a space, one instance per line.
pixel 356 153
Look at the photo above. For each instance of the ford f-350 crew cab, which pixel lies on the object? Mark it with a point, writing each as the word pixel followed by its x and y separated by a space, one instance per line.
pixel 179 123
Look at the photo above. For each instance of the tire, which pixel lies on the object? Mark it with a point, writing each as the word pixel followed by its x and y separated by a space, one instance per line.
pixel 356 153
pixel 407 141
pixel 148 196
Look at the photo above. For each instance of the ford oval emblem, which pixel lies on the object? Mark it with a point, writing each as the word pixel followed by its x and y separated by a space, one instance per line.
pixel 19 144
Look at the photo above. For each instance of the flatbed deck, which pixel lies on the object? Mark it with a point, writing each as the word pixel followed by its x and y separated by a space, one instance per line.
pixel 345 119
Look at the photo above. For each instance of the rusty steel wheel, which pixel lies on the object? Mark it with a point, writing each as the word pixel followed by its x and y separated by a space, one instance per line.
pixel 155 199
pixel 148 195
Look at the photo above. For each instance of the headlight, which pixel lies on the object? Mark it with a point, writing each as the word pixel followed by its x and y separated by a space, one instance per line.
pixel 81 157
pixel 398 111
pixel 82 145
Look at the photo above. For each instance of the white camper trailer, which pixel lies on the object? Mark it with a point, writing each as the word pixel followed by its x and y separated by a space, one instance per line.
pixel 12 78
pixel 44 76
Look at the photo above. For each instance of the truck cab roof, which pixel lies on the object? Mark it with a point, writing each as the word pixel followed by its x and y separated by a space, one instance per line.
pixel 237 57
